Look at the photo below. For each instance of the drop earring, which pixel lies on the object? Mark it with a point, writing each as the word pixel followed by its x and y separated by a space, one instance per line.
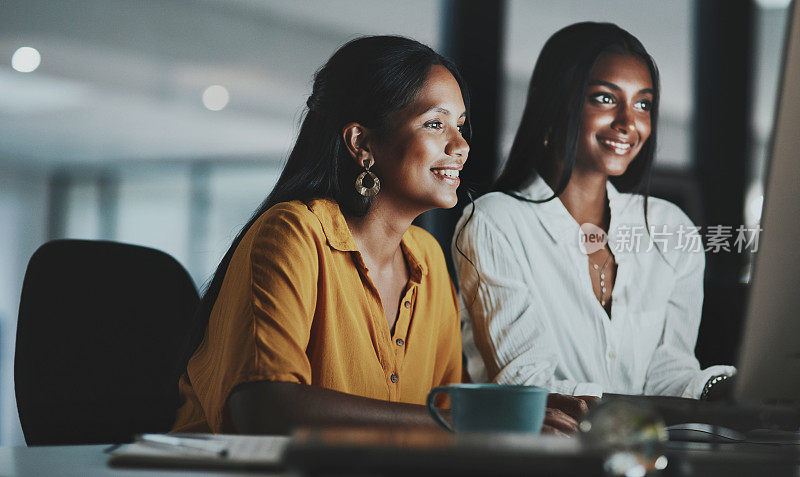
pixel 368 177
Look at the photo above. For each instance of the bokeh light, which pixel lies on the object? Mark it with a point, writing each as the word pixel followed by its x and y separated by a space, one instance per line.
pixel 216 97
pixel 26 59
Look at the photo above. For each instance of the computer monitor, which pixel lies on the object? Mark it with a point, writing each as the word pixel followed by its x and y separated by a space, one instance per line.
pixel 769 357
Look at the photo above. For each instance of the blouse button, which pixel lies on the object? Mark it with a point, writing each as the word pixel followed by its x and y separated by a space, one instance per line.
pixel 400 342
pixel 407 304
pixel 612 354
pixel 394 378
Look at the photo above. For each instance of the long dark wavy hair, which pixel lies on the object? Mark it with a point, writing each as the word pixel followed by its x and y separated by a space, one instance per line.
pixel 554 108
pixel 365 81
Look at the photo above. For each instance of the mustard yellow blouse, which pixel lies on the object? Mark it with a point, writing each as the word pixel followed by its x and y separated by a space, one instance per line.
pixel 297 305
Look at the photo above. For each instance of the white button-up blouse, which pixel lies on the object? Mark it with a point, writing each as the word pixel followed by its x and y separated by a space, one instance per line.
pixel 530 315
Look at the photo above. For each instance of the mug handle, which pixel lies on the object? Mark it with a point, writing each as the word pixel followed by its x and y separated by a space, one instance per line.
pixel 434 411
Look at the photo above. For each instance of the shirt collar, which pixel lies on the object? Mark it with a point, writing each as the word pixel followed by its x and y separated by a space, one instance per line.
pixel 411 250
pixel 556 219
pixel 339 237
pixel 333 224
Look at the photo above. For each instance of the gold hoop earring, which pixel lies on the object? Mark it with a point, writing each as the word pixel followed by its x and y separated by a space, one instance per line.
pixel 370 177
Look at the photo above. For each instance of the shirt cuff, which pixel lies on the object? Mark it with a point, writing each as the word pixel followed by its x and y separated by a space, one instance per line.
pixel 588 389
pixel 571 388
pixel 696 385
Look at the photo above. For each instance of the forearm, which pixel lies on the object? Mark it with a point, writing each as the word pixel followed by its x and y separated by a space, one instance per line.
pixel 266 407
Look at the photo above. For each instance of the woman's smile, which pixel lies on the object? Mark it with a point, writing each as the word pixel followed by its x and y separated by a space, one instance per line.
pixel 448 174
pixel 617 146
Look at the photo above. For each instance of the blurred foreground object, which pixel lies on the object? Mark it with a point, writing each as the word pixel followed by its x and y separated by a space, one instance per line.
pixel 632 435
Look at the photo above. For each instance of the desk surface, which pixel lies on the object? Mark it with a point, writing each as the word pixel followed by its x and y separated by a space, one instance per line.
pixel 82 461
pixel 90 461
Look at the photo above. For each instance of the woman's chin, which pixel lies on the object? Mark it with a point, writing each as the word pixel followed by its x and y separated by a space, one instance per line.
pixel 449 202
pixel 616 172
pixel 616 167
pixel 443 203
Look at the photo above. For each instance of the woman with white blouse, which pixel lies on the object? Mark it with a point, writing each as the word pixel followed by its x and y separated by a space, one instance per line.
pixel 565 281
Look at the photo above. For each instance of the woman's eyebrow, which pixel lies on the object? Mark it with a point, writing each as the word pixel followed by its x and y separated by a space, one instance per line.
pixel 617 88
pixel 444 111
pixel 604 83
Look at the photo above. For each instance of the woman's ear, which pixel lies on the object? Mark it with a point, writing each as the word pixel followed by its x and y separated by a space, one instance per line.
pixel 355 139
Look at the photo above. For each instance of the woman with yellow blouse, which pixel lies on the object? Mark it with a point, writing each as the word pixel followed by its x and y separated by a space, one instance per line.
pixel 330 307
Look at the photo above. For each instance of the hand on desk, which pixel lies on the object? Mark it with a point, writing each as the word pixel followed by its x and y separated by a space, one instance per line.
pixel 564 412
pixel 265 407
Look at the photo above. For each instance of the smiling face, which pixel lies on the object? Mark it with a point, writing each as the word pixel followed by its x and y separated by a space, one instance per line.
pixel 616 116
pixel 420 156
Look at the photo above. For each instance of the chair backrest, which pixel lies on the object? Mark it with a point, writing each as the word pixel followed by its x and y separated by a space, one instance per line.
pixel 101 337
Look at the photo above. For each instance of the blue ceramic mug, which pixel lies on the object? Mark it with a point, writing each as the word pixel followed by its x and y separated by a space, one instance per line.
pixel 492 407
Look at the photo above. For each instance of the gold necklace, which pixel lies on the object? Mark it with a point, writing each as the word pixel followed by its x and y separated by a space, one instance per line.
pixel 602 279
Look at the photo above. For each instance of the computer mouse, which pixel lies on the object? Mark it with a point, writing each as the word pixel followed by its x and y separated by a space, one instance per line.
pixel 699 432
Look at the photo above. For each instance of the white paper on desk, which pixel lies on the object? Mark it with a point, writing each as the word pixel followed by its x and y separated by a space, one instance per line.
pixel 243 452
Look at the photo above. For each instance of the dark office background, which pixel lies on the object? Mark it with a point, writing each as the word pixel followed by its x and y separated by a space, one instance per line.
pixel 165 123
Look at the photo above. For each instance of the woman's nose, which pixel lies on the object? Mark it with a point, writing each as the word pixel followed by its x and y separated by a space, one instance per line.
pixel 624 122
pixel 457 147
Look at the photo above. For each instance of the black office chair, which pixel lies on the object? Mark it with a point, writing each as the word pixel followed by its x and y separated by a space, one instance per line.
pixel 100 342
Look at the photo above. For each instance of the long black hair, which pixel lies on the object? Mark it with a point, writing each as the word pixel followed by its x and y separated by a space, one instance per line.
pixel 553 111
pixel 365 81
